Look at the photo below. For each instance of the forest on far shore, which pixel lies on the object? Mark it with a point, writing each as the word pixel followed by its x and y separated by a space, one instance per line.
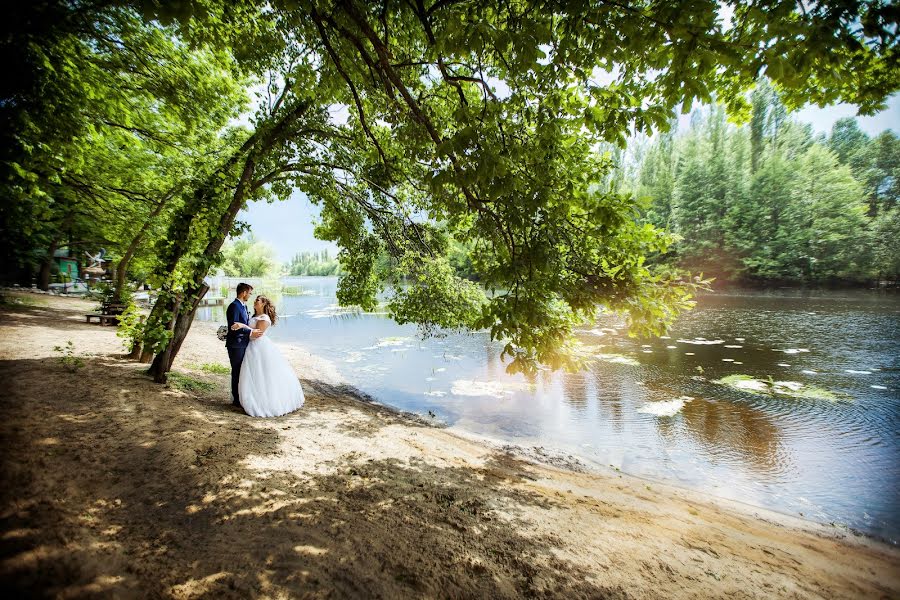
pixel 771 201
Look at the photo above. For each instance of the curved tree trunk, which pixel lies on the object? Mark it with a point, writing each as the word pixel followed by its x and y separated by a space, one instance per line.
pixel 184 306
pixel 184 315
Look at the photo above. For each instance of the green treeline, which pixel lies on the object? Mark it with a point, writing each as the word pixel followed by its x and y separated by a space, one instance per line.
pixel 313 263
pixel 771 201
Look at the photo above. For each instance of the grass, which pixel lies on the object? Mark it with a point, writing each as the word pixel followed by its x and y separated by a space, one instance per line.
pixel 186 383
pixel 217 368
pixel 20 302
pixel 70 361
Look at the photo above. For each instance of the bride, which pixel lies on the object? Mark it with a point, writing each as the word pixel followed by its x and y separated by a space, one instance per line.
pixel 268 386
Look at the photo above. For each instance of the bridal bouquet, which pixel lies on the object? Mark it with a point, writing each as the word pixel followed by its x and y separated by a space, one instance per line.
pixel 222 333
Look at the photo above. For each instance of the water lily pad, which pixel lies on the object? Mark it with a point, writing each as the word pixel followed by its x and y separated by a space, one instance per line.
pixel 793 389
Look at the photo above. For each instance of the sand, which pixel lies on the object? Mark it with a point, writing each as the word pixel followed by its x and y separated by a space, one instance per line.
pixel 113 485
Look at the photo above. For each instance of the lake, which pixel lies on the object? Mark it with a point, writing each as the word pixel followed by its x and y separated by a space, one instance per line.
pixel 653 407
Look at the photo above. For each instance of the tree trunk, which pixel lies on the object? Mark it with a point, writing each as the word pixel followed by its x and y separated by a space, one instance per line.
pixel 46 265
pixel 160 367
pixel 182 327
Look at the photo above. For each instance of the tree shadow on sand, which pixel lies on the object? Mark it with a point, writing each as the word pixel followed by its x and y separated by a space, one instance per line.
pixel 112 488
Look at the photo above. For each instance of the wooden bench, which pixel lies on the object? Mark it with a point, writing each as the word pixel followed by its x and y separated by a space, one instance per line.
pixel 112 308
pixel 103 319
pixel 109 313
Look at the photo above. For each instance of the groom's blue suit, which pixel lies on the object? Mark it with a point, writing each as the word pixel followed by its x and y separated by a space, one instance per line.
pixel 236 343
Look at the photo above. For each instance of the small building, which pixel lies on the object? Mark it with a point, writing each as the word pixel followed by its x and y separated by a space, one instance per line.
pixel 68 266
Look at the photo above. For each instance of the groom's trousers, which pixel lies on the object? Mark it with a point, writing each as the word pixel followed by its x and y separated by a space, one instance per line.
pixel 236 356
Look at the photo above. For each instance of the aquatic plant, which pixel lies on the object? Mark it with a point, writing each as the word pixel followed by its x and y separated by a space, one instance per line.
pixel 769 386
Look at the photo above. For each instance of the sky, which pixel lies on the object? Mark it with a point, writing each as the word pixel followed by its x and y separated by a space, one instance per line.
pixel 288 226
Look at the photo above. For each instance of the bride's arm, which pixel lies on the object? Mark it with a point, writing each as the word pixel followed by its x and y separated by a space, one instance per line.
pixel 255 332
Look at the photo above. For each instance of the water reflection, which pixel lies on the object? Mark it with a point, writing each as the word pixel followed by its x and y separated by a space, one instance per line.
pixel 835 461
pixel 736 432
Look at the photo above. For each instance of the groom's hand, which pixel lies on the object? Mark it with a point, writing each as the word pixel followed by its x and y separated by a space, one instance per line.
pixel 255 334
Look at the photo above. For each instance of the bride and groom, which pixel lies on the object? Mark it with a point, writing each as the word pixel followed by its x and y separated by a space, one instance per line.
pixel 262 381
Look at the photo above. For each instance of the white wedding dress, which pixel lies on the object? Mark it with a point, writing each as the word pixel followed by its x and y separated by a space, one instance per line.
pixel 268 385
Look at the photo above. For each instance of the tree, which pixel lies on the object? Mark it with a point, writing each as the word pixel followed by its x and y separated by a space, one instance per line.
pixel 877 165
pixel 828 218
pixel 886 250
pixel 248 258
pixel 433 149
pixel 847 140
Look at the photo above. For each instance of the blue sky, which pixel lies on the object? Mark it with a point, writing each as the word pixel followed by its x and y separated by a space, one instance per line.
pixel 288 226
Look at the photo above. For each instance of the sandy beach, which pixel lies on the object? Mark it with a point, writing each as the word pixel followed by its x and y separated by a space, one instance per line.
pixel 114 486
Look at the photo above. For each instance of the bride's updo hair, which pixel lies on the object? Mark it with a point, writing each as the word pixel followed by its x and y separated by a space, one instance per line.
pixel 268 308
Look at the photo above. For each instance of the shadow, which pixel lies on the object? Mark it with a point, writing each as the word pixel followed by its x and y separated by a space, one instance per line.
pixel 111 485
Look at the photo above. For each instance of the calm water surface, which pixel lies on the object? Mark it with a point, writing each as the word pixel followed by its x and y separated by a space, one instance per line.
pixel 649 408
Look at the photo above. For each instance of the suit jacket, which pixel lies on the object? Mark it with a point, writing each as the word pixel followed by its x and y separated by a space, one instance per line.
pixel 237 313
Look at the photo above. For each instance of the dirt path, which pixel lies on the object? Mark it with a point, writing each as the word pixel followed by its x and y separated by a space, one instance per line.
pixel 115 486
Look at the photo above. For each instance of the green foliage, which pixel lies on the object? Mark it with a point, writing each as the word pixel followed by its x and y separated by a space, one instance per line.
pixel 768 201
pixel 70 361
pixel 132 323
pixel 434 297
pixel 486 126
pixel 248 258
pixel 886 250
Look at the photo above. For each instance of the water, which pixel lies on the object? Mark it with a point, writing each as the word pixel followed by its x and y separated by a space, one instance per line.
pixel 648 410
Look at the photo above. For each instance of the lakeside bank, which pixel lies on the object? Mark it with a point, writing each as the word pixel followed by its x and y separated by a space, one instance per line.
pixel 115 485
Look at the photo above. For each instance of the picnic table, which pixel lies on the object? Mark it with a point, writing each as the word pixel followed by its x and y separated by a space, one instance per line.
pixel 109 313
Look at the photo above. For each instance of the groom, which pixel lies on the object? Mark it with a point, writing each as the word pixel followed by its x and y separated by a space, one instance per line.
pixel 236 341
